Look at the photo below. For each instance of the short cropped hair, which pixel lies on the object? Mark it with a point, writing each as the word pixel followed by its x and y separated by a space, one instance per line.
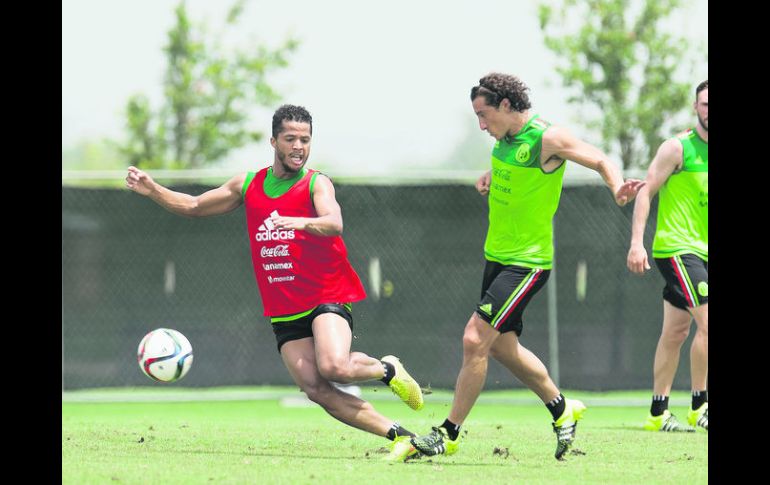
pixel 289 112
pixel 701 87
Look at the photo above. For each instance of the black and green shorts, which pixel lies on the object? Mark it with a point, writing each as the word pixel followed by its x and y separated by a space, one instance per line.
pixel 687 280
pixel 294 327
pixel 506 290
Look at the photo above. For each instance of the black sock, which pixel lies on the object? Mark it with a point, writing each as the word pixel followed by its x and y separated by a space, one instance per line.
pixel 698 398
pixel 659 405
pixel 390 371
pixel 396 430
pixel 452 429
pixel 557 406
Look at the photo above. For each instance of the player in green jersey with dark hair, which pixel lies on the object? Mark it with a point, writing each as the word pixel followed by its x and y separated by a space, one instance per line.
pixel 524 187
pixel 680 174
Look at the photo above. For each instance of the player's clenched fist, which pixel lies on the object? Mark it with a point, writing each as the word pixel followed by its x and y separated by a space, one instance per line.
pixel 482 184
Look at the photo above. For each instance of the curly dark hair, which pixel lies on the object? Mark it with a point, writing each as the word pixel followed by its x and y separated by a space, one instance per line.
pixel 701 87
pixel 289 112
pixel 496 86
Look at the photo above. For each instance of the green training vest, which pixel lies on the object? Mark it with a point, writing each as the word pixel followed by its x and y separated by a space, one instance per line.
pixel 522 201
pixel 683 203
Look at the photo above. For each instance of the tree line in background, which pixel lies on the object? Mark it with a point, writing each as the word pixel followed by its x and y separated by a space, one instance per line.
pixel 207 99
pixel 609 49
pixel 208 94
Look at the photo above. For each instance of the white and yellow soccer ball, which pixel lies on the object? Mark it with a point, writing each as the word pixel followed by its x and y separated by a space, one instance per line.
pixel 165 355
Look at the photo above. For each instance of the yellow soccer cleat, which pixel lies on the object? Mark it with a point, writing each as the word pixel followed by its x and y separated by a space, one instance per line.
pixel 401 449
pixel 666 422
pixel 699 417
pixel 403 385
pixel 566 425
pixel 437 442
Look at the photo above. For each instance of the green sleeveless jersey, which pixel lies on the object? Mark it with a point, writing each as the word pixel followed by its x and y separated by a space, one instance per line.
pixel 522 201
pixel 683 203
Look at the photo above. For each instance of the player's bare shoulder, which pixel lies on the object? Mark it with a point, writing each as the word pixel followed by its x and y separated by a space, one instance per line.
pixel 238 179
pixel 235 184
pixel 670 153
pixel 323 184
pixel 555 139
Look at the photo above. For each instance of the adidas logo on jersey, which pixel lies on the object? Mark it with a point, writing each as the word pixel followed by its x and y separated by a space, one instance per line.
pixel 267 231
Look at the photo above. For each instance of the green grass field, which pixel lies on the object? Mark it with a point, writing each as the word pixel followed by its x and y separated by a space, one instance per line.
pixel 250 435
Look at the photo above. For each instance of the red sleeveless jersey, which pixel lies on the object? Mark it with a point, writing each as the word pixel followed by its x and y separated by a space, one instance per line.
pixel 295 270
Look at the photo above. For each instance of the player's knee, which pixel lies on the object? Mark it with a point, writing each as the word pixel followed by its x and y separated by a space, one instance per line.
pixel 676 336
pixel 335 370
pixel 319 393
pixel 473 345
pixel 471 341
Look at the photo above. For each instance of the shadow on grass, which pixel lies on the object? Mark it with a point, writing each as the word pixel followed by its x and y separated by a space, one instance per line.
pixel 373 457
pixel 640 429
pixel 623 428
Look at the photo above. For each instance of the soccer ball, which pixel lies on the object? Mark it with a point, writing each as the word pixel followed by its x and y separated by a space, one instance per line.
pixel 165 355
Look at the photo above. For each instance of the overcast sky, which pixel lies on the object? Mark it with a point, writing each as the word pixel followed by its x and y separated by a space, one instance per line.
pixel 387 83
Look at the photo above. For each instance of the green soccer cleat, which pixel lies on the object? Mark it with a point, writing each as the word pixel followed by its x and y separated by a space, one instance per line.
pixel 401 449
pixel 437 442
pixel 666 422
pixel 403 385
pixel 699 417
pixel 565 426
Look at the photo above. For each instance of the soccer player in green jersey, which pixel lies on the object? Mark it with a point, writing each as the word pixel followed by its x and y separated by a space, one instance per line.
pixel 524 187
pixel 679 173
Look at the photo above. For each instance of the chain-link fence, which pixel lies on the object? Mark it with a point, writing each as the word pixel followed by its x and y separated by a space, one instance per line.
pixel 129 266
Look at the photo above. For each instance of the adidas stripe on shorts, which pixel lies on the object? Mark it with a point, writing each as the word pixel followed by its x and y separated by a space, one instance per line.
pixel 687 280
pixel 505 292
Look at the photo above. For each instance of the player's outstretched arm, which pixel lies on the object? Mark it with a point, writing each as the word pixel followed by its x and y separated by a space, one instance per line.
pixel 329 220
pixel 558 141
pixel 666 161
pixel 213 202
